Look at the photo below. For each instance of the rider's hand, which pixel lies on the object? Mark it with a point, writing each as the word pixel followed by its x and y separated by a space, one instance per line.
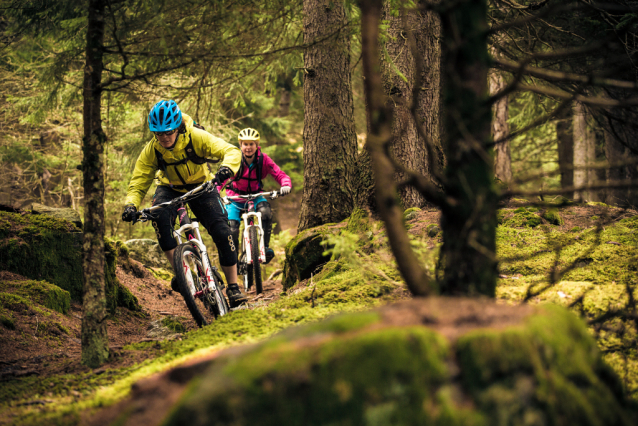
pixel 223 174
pixel 129 213
pixel 285 190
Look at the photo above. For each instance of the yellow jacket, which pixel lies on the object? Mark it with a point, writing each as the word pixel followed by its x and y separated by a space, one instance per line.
pixel 205 145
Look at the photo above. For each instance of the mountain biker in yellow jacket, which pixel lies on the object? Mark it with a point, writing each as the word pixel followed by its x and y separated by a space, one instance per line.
pixel 177 159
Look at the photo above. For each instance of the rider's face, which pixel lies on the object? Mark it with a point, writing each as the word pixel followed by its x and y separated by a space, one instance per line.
pixel 248 148
pixel 167 141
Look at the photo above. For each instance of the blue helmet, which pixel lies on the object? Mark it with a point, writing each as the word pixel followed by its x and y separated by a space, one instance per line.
pixel 164 116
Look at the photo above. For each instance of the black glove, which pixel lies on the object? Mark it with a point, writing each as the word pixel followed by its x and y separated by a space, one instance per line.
pixel 129 213
pixel 223 173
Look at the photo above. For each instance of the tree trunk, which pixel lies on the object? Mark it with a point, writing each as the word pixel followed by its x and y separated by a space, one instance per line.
pixel 615 152
pixel 584 153
pixel 330 140
pixel 379 137
pixel 500 129
pixel 468 254
pixel 398 67
pixel 565 137
pixel 94 336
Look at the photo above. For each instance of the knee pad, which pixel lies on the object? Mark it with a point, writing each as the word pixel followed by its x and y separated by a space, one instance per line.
pixel 264 209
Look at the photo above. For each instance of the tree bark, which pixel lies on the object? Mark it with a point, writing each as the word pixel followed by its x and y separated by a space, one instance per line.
pixel 500 129
pixel 468 254
pixel 398 67
pixel 584 154
pixel 565 137
pixel 379 137
pixel 615 153
pixel 330 140
pixel 94 335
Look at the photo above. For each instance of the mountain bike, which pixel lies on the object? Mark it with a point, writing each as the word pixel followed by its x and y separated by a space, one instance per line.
pixel 253 252
pixel 200 282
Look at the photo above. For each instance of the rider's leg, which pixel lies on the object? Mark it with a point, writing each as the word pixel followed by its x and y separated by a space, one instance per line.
pixel 234 230
pixel 266 221
pixel 211 213
pixel 163 225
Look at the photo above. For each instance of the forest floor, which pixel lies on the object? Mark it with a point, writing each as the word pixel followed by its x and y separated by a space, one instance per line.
pixel 42 378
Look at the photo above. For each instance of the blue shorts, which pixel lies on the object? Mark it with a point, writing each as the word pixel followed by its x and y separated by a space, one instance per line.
pixel 234 209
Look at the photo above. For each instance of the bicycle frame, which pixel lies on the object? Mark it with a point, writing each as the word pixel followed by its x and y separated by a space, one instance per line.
pixel 191 230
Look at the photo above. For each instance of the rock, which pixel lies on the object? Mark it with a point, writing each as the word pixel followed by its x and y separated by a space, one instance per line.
pixel 304 254
pixel 411 213
pixel 147 252
pixel 65 213
pixel 433 230
pixel 433 361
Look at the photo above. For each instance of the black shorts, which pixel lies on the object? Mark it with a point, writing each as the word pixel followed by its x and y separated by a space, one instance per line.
pixel 210 212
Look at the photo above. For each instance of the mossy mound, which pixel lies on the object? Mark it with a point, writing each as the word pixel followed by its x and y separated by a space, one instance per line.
pixel 553 217
pixel 43 248
pixel 40 292
pixel 523 218
pixel 304 254
pixel 517 365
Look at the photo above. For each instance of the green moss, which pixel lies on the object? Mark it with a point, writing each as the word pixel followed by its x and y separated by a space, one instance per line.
pixel 174 324
pixel 532 372
pixel 594 218
pixel 40 292
pixel 575 229
pixel 500 216
pixel 596 203
pixel 410 213
pixel 116 293
pixel 43 248
pixel 630 222
pixel 553 217
pixel 304 254
pixel 162 274
pixel 380 377
pixel 358 222
pixel 523 218
pixel 7 321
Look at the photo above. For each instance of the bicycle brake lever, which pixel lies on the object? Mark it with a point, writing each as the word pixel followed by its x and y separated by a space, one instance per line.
pixel 273 195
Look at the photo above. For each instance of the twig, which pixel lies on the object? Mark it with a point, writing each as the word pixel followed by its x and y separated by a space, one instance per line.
pixel 275 274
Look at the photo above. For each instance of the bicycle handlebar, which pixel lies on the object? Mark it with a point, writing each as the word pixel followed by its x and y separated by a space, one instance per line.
pixel 249 197
pixel 145 214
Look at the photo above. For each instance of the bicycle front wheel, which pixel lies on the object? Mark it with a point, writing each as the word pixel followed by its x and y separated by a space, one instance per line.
pixel 254 253
pixel 191 277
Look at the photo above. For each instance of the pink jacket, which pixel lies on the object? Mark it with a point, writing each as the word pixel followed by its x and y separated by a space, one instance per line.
pixel 249 175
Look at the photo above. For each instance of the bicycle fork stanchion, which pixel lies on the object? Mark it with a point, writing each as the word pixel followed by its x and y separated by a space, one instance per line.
pixel 260 231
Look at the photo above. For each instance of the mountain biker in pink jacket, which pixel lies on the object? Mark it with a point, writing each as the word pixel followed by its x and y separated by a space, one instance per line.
pixel 255 166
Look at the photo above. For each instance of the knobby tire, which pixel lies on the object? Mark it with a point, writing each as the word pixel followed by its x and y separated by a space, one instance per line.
pixel 254 253
pixel 187 254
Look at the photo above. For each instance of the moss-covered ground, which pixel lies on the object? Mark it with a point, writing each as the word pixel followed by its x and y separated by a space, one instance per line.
pixel 598 257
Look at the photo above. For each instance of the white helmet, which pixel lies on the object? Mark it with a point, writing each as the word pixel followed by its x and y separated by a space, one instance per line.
pixel 248 134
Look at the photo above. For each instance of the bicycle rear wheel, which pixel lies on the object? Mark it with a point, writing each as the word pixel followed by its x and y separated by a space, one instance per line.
pixel 191 277
pixel 255 268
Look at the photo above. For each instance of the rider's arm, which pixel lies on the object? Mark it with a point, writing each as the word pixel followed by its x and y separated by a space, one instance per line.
pixel 143 174
pixel 215 147
pixel 270 168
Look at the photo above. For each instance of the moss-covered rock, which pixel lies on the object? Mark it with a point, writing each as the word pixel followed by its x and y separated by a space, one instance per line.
pixel 116 293
pixel 517 365
pixel 147 252
pixel 43 248
pixel 553 217
pixel 40 292
pixel 411 213
pixel 523 218
pixel 64 213
pixel 304 254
